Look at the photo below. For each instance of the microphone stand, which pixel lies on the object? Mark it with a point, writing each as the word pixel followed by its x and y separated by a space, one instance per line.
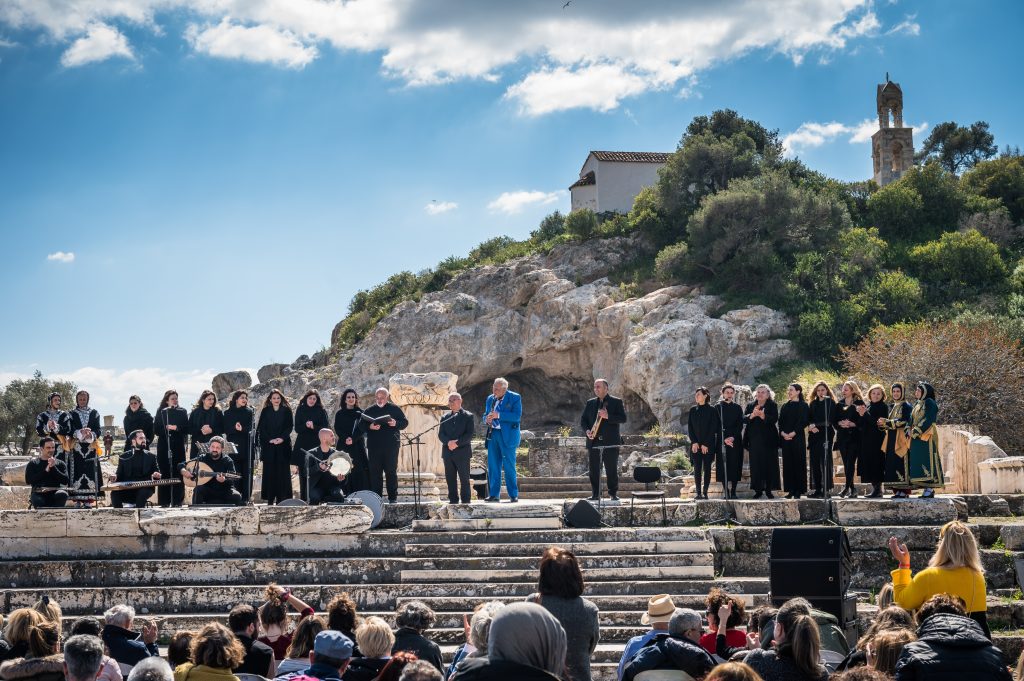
pixel 251 455
pixel 826 484
pixel 725 459
pixel 416 440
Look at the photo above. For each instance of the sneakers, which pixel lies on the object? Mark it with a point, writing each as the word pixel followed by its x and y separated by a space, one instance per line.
pixel 513 500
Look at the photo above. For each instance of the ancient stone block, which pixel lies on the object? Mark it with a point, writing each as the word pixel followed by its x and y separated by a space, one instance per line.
pixel 199 521
pixel 100 522
pixel 1002 475
pixel 521 510
pixel 35 523
pixel 893 511
pixel 347 519
pixel 772 512
pixel 14 498
pixel 1013 537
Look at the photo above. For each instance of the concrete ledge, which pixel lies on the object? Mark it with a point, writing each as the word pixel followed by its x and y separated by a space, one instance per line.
pixel 345 519
pixel 199 521
pixel 854 512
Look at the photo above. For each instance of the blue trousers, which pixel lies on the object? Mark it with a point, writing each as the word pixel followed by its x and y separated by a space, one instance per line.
pixel 501 455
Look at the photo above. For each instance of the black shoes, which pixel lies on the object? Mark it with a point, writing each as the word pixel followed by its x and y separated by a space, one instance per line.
pixel 513 500
pixel 757 495
pixel 788 496
pixel 817 494
pixel 595 498
pixel 769 494
pixel 491 500
pixel 614 497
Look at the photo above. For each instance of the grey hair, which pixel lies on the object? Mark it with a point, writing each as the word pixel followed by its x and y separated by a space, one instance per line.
pixel 501 380
pixel 480 624
pixel 420 670
pixel 382 389
pixel 83 655
pixel 771 393
pixel 151 669
pixel 121 615
pixel 415 615
pixel 602 380
pixel 221 441
pixel 683 619
pixel 451 395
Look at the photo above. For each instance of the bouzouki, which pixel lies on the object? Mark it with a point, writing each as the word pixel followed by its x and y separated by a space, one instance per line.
pixel 202 474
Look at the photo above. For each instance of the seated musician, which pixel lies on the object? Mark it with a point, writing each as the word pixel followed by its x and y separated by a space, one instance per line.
pixel 218 490
pixel 323 485
pixel 47 470
pixel 136 464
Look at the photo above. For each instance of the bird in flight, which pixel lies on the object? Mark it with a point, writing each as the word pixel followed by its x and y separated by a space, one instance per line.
pixel 567 4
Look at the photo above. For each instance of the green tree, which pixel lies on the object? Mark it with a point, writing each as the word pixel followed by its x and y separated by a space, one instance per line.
pixel 919 206
pixel 581 223
pixel 550 227
pixel 1001 178
pixel 647 219
pixel 896 211
pixel 959 264
pixel 726 123
pixel 894 297
pixel 20 403
pixel 957 148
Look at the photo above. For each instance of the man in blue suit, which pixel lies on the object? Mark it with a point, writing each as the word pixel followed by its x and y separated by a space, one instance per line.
pixel 502 414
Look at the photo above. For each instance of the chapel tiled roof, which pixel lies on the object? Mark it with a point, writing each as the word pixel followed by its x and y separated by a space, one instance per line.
pixel 585 180
pixel 631 156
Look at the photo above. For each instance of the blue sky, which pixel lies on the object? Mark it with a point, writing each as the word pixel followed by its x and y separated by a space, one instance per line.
pixel 227 173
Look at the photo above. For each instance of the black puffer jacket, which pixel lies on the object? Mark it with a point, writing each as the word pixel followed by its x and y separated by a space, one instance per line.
pixel 951 647
pixel 482 669
pixel 669 652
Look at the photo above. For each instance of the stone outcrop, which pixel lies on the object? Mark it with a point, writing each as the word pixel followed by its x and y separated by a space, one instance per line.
pixel 551 324
pixel 270 371
pixel 229 381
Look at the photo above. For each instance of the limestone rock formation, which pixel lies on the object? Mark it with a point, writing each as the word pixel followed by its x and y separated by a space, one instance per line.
pixel 551 323
pixel 270 371
pixel 226 383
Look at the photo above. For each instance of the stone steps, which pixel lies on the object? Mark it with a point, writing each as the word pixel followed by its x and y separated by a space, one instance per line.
pixel 698 566
pixel 581 549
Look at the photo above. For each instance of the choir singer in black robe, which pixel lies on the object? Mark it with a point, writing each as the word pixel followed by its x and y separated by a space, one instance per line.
pixel 793 419
pixel 382 422
pixel 219 489
pixel 704 428
pixel 612 411
pixel 872 456
pixel 171 427
pixel 847 423
pixel 137 417
pixel 310 418
pixel 324 486
pixel 134 465
pixel 275 434
pixel 456 434
pixel 205 422
pixel 762 440
pixel 352 441
pixel 731 458
pixel 239 422
pixel 820 438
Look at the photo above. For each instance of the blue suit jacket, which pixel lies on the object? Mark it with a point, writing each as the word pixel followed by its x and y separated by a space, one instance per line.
pixel 509 415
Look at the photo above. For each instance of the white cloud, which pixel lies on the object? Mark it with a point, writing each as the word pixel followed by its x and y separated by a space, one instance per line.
pixel 100 42
pixel 511 203
pixel 906 27
pixel 437 208
pixel 810 135
pixel 259 43
pixel 61 256
pixel 590 55
pixel 7 43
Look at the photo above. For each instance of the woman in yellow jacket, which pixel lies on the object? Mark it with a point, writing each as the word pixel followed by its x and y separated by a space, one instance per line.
pixel 215 652
pixel 955 569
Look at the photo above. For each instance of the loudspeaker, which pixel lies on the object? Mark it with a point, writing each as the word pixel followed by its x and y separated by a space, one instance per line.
pixel 815 563
pixel 583 514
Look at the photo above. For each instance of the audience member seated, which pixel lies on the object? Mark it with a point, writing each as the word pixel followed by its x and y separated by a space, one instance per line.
pixel 343 616
pixel 91 626
pixel 123 644
pixel 151 669
pixel 860 674
pixel 950 645
pixel 560 592
pixel 717 602
pixel 660 609
pixel 797 647
pixel 412 619
pixel 179 650
pixel 17 630
pixel 892 618
pixel 733 671
pixel 392 671
pixel 42 660
pixel 679 649
pixel 215 652
pixel 297 656
pixel 420 670
pixel 332 652
pixel 954 569
pixel 83 657
pixel 259 657
pixel 375 639
pixel 476 630
pixel 885 649
pixel 525 643
pixel 51 610
pixel 885 596
pixel 274 618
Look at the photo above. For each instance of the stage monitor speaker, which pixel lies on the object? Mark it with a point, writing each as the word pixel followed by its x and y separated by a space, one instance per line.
pixel 812 562
pixel 583 514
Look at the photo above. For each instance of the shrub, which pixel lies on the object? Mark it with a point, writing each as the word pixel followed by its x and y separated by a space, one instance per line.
pixel 959 264
pixel 670 263
pixel 20 402
pixel 581 223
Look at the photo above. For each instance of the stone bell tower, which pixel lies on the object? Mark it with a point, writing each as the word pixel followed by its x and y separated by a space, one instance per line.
pixel 892 146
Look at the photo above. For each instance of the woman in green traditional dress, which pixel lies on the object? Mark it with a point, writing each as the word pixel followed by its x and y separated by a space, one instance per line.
pixel 897 443
pixel 923 462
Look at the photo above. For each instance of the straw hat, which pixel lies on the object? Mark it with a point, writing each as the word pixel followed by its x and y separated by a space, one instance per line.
pixel 659 609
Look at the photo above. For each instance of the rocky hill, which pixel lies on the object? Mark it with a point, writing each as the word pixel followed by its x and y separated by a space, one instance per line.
pixel 552 323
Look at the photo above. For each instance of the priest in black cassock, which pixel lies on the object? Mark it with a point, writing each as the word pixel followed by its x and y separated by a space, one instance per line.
pixel 456 434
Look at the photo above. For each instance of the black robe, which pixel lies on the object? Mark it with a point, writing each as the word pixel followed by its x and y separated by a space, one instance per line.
pixel 346 425
pixel 731 416
pixel 307 438
pixel 821 415
pixel 137 420
pixel 761 438
pixel 704 427
pixel 200 417
pixel 84 466
pixel 794 417
pixel 277 480
pixel 63 420
pixel 871 464
pixel 388 439
pixel 847 438
pixel 243 441
pixel 170 450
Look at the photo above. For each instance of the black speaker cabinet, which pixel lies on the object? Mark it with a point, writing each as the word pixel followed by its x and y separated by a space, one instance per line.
pixel 815 563
pixel 583 514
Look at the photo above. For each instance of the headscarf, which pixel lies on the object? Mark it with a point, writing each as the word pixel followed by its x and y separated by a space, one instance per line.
pixel 929 391
pixel 903 391
pixel 528 634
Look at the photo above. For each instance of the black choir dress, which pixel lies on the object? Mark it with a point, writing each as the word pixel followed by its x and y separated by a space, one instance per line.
pixel 819 445
pixel 140 419
pixel 848 439
pixel 201 416
pixel 346 426
pixel 170 451
pixel 793 418
pixel 731 415
pixel 277 475
pixel 871 464
pixel 761 437
pixel 704 429
pixel 307 438
pixel 243 440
